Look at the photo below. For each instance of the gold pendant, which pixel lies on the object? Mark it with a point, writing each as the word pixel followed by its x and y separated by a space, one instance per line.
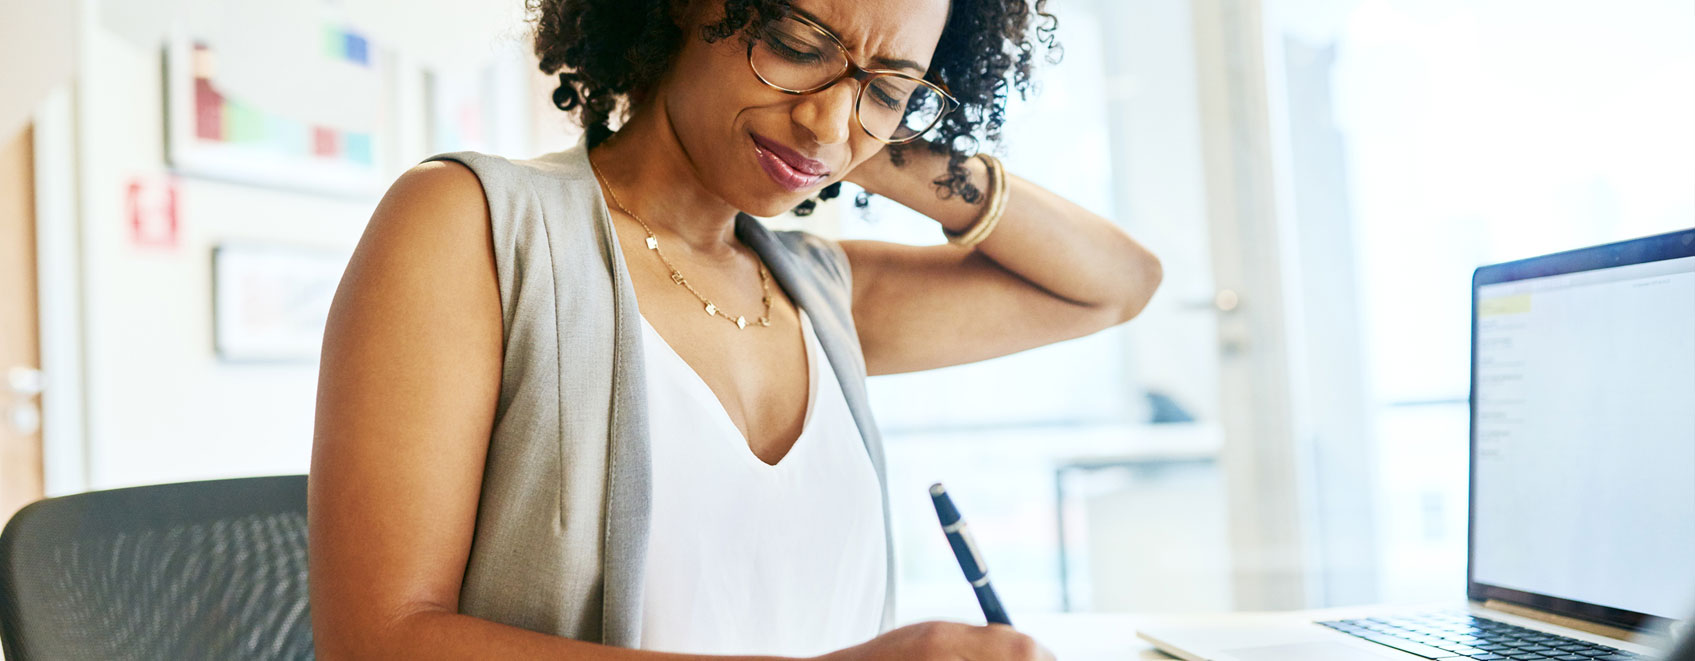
pixel 741 322
pixel 711 309
pixel 652 243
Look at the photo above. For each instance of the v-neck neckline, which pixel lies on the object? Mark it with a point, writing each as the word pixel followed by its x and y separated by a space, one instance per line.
pixel 710 397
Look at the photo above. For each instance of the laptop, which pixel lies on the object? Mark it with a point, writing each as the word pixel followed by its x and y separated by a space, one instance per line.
pixel 1582 472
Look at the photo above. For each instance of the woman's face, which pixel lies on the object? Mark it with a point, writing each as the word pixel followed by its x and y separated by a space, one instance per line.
pixel 749 142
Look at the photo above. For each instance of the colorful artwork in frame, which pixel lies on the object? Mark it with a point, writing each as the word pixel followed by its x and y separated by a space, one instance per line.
pixel 216 130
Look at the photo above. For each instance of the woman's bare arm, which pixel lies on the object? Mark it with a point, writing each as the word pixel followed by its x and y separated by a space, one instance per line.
pixel 1050 271
pixel 406 395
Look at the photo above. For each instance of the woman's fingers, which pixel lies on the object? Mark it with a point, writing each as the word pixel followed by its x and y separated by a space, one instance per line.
pixel 999 642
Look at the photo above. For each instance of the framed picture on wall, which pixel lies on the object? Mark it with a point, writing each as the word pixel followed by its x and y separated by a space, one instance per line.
pixel 281 98
pixel 269 302
pixel 483 108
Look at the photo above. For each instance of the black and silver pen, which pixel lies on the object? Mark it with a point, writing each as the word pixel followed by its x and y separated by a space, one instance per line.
pixel 965 549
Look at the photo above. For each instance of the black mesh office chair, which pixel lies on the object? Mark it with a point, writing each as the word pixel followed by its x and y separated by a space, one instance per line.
pixel 196 570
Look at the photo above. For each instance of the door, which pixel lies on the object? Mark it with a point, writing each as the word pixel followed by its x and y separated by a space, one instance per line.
pixel 20 346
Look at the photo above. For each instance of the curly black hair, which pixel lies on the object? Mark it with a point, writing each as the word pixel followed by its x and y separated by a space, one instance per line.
pixel 607 53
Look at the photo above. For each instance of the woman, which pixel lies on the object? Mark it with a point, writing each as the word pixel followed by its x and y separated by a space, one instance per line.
pixel 585 406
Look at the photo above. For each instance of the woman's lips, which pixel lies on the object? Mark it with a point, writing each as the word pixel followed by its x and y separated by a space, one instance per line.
pixel 781 171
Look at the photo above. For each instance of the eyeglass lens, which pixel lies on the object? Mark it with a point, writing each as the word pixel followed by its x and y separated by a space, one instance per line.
pixel 798 57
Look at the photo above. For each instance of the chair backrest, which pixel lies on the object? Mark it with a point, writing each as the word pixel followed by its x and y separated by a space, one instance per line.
pixel 195 570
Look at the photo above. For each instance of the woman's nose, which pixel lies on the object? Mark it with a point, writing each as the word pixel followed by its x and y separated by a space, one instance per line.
pixel 828 113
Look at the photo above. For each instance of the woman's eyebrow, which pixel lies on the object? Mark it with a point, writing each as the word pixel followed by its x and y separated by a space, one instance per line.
pixel 880 60
pixel 897 63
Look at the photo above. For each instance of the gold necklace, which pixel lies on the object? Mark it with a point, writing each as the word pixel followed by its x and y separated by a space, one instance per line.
pixel 677 276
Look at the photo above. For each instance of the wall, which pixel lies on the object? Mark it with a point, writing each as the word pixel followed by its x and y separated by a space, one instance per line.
pixel 159 405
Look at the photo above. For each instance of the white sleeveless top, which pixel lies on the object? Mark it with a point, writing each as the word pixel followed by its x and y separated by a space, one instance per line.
pixel 749 558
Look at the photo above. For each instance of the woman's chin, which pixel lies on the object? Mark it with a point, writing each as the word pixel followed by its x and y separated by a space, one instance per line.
pixel 771 207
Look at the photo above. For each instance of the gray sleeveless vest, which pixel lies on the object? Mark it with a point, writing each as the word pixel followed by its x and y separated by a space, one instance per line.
pixel 562 522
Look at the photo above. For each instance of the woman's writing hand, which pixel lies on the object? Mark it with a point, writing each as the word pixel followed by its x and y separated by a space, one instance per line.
pixel 946 641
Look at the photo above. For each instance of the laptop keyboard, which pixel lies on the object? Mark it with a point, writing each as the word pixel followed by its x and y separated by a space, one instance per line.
pixel 1461 636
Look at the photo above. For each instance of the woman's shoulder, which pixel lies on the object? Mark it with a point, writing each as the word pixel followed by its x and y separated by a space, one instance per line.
pixel 422 250
pixel 433 193
pixel 502 174
pixel 546 202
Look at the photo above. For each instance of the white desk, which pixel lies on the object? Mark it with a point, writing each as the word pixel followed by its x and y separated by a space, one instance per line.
pixel 1101 636
pixel 1089 636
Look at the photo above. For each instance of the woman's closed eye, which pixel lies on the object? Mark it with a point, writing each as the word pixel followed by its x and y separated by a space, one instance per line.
pixel 794 52
pixel 887 95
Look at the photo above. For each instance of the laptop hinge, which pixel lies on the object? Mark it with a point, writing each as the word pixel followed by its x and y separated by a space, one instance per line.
pixel 1560 620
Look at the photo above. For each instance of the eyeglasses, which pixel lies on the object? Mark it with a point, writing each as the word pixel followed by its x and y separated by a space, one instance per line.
pixel 796 55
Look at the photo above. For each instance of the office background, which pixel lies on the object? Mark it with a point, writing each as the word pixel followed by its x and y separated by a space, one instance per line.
pixel 1284 426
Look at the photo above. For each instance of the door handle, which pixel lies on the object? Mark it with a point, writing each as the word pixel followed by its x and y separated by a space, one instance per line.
pixel 1223 302
pixel 23 414
pixel 1233 340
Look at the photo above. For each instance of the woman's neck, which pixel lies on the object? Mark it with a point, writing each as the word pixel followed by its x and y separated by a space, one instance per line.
pixel 644 164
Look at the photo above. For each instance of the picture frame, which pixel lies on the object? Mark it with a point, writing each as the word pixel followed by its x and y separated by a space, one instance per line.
pixel 270 302
pixel 215 130
pixel 482 108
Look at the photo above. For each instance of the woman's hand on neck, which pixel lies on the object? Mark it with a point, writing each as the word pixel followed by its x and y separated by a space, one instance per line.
pixel 646 167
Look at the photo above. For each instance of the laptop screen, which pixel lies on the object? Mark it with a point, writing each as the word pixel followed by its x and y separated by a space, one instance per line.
pixel 1583 431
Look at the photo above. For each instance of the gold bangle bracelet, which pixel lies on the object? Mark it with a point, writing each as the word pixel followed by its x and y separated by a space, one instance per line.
pixel 998 200
pixel 992 210
pixel 971 235
pixel 997 204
